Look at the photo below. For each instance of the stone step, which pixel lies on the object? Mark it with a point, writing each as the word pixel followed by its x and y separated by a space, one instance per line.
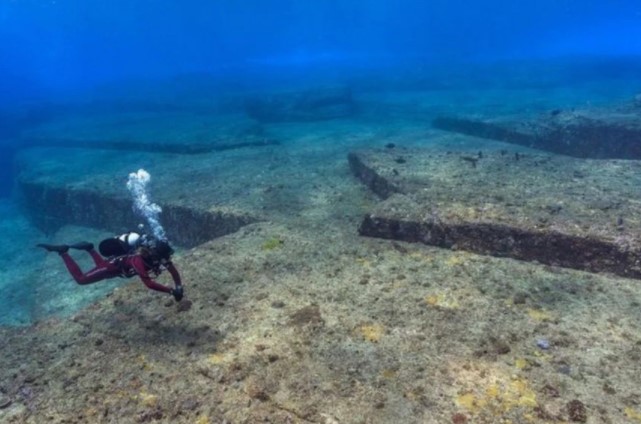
pixel 86 187
pixel 613 133
pixel 561 211
pixel 51 207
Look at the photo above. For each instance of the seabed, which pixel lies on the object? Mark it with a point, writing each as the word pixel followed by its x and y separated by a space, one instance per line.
pixel 291 315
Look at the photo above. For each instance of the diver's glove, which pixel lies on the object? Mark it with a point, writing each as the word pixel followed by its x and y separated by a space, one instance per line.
pixel 177 293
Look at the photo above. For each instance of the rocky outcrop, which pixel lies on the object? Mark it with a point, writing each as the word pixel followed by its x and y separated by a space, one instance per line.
pixel 51 207
pixel 552 210
pixel 594 133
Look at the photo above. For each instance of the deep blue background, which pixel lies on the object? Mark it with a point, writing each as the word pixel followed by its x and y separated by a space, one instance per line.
pixel 53 46
pixel 54 49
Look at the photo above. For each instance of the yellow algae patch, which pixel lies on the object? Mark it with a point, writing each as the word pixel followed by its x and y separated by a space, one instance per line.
pixel 492 391
pixel 541 355
pixel 431 300
pixel 521 363
pixel 388 373
pixel 146 365
pixel 272 243
pixel 363 261
pixel 470 402
pixel 539 315
pixel 442 300
pixel 91 412
pixel 633 414
pixel 148 399
pixel 371 333
pixel 524 396
pixel 423 257
pixel 216 358
pixel 203 419
pixel 461 211
pixel 492 394
pixel 419 255
pixel 456 260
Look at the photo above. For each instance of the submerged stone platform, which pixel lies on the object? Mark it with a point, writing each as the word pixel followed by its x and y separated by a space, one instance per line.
pixel 73 170
pixel 581 214
pixel 51 207
pixel 613 133
pixel 88 187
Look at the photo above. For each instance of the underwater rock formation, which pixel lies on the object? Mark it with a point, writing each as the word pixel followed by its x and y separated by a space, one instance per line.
pixel 550 209
pixel 51 207
pixel 613 133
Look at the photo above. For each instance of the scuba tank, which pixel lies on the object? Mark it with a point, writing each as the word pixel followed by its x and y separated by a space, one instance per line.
pixel 121 245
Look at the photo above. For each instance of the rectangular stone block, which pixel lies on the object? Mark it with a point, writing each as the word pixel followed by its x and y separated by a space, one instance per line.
pixel 581 214
pixel 592 133
pixel 51 207
pixel 198 194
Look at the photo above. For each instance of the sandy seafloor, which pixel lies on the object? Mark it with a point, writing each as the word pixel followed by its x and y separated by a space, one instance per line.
pixel 298 319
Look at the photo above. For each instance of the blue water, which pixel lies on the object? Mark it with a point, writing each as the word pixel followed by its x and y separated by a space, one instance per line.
pixel 61 57
pixel 56 47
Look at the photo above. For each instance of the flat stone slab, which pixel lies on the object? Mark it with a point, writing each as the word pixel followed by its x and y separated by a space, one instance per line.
pixel 73 170
pixel 52 206
pixel 581 214
pixel 200 200
pixel 606 133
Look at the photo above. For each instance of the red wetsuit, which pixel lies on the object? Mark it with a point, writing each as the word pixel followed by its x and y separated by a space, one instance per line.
pixel 123 266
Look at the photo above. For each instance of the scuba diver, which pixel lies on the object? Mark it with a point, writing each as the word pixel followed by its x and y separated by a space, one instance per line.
pixel 124 256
